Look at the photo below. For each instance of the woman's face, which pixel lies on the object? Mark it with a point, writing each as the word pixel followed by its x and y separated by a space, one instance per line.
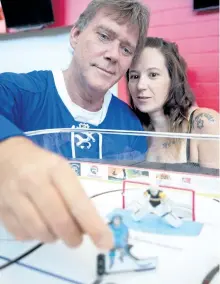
pixel 149 81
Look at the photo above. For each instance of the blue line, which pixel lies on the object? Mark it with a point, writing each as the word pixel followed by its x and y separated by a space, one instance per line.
pixel 42 271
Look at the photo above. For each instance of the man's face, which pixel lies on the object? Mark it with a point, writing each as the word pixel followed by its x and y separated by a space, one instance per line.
pixel 103 51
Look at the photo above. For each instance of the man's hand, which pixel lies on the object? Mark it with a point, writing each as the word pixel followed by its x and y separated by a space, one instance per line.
pixel 42 199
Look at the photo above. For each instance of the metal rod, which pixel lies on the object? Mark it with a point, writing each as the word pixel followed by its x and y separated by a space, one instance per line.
pixel 125 132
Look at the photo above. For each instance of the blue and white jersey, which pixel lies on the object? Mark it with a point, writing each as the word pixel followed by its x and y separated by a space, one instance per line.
pixel 39 100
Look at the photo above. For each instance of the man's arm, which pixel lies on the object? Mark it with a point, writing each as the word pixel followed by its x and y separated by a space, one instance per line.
pixel 8 129
pixel 40 196
pixel 10 98
pixel 16 90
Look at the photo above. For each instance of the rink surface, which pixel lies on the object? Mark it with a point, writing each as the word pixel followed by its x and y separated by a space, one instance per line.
pixel 181 259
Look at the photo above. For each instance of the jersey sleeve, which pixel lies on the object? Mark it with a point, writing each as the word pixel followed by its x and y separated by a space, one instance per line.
pixel 10 107
pixel 9 129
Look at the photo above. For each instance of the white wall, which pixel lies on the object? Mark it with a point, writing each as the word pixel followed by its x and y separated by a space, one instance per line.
pixel 25 51
pixel 36 50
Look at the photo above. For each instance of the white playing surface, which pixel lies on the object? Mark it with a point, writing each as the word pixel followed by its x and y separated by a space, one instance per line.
pixel 181 260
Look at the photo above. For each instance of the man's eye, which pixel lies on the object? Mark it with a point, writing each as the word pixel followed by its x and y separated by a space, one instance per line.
pixel 103 36
pixel 127 51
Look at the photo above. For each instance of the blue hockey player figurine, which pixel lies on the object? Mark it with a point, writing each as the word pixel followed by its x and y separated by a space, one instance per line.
pixel 120 232
pixel 122 251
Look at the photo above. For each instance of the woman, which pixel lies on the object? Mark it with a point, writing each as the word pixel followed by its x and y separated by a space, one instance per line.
pixel 161 97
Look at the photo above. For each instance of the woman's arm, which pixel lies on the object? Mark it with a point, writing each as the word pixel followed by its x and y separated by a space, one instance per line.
pixel 207 121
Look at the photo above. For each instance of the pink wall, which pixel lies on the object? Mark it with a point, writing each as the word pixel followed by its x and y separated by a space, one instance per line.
pixel 197 37
pixel 67 11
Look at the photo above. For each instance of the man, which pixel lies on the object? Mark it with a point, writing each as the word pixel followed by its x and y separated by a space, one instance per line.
pixel 40 197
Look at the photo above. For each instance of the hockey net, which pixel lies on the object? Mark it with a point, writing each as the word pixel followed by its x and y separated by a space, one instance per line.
pixel 183 199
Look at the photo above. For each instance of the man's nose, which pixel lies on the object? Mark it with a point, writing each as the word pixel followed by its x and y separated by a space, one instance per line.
pixel 113 52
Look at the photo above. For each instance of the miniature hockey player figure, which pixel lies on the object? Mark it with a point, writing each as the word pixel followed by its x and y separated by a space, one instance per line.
pixel 120 232
pixel 157 203
pixel 122 251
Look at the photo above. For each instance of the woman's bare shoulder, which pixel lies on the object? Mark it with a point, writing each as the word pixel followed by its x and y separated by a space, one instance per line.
pixel 205 121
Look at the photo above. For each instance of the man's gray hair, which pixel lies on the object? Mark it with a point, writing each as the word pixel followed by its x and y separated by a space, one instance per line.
pixel 132 11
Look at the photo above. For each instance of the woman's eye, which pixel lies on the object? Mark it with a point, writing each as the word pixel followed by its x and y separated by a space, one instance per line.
pixel 153 74
pixel 134 77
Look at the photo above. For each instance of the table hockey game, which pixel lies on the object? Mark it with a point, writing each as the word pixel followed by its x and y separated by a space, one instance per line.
pixel 189 254
pixel 174 242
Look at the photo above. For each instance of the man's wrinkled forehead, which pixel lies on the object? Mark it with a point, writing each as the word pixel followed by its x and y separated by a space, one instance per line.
pixel 112 21
pixel 116 16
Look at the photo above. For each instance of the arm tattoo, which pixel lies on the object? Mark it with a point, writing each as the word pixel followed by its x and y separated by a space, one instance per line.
pixel 169 143
pixel 209 117
pixel 198 121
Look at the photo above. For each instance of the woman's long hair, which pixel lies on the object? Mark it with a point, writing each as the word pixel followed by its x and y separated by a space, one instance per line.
pixel 180 97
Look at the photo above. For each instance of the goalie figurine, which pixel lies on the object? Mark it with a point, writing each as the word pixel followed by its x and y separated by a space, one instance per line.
pixel 156 202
